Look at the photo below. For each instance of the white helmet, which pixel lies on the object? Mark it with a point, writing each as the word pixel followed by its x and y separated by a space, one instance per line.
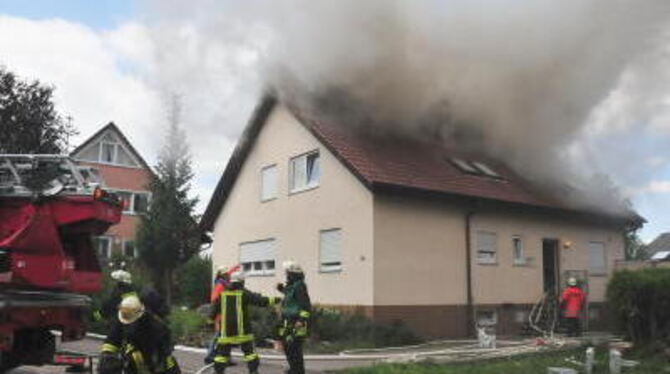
pixel 122 276
pixel 292 267
pixel 237 276
pixel 572 281
pixel 221 270
pixel 130 309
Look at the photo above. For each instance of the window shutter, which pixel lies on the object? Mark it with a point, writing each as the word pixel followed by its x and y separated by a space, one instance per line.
pixel 331 247
pixel 486 246
pixel 597 254
pixel 257 251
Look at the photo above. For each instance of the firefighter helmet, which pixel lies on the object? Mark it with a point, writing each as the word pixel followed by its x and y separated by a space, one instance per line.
pixel 572 281
pixel 130 309
pixel 292 267
pixel 237 276
pixel 122 276
pixel 221 271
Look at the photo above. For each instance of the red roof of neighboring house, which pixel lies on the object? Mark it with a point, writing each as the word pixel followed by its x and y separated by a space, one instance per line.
pixel 386 161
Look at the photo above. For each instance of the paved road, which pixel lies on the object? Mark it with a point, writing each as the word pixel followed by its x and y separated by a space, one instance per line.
pixel 191 362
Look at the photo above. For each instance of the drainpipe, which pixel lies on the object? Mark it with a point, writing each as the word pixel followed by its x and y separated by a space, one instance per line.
pixel 468 273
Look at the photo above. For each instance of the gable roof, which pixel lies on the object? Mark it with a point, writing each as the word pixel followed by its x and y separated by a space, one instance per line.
pixel 112 127
pixel 387 162
pixel 660 244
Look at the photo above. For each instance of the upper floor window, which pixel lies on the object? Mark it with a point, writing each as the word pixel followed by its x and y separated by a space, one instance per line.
pixel 134 202
pixel 108 150
pixel 129 249
pixel 487 247
pixel 269 183
pixel 305 171
pixel 598 261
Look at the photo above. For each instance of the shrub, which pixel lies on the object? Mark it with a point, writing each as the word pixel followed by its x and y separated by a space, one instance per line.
pixel 642 301
pixel 188 326
pixel 193 282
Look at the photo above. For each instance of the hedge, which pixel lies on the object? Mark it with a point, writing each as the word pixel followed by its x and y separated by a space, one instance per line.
pixel 641 299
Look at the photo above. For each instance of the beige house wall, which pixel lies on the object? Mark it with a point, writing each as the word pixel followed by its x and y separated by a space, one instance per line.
pixel 295 220
pixel 419 252
pixel 504 282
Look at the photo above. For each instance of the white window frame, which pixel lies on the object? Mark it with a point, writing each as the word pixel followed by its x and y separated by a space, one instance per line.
pixel 265 269
pixel 597 271
pixel 478 249
pixel 130 209
pixel 272 194
pixel 108 250
pixel 492 321
pixel 115 157
pixel 330 266
pixel 292 169
pixel 125 243
pixel 518 260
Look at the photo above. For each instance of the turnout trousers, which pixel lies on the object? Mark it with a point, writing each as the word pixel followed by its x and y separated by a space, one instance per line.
pixel 222 356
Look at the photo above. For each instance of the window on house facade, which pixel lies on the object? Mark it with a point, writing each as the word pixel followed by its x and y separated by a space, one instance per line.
pixel 269 183
pixel 487 247
pixel 108 150
pixel 258 258
pixel 518 256
pixel 103 246
pixel 486 317
pixel 598 261
pixel 305 172
pixel 330 250
pixel 129 249
pixel 133 202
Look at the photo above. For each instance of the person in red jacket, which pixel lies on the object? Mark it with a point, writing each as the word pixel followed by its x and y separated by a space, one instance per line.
pixel 572 302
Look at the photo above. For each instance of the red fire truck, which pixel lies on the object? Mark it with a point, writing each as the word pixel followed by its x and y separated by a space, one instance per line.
pixel 50 208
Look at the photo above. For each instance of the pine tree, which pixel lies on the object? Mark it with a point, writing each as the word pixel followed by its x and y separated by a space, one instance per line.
pixel 168 234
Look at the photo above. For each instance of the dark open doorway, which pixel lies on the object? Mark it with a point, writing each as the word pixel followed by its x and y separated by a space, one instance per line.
pixel 550 266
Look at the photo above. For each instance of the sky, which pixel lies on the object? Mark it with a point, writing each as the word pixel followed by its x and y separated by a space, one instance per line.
pixel 107 62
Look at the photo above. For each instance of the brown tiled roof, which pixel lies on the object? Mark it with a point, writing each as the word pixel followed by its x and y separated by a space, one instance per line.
pixel 385 161
pixel 419 164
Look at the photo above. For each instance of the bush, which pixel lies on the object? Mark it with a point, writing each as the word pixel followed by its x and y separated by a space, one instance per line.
pixel 642 301
pixel 189 327
pixel 194 282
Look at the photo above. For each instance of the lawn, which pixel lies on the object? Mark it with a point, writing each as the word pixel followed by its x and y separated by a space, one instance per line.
pixel 529 364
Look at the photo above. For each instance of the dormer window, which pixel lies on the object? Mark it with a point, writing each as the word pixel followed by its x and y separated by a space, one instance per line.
pixel 475 168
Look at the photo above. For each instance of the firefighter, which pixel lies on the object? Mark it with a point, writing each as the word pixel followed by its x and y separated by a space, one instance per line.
pixel 139 344
pixel 295 310
pixel 235 330
pixel 572 302
pixel 221 283
pixel 122 289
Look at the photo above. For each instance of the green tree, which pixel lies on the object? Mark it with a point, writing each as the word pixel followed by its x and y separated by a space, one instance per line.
pixel 633 246
pixel 194 281
pixel 168 234
pixel 29 122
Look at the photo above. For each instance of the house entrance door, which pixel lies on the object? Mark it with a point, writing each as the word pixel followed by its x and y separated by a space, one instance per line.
pixel 550 265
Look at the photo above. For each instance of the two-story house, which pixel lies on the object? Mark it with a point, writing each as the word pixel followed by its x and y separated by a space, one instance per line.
pixel 399 228
pixel 125 173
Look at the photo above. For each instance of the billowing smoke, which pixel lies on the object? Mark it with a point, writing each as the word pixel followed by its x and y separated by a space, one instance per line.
pixel 524 80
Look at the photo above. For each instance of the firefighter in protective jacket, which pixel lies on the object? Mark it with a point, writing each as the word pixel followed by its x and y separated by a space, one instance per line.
pixel 139 344
pixel 296 311
pixel 235 330
pixel 572 302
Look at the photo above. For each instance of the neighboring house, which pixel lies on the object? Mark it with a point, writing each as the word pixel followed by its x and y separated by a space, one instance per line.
pixel 400 229
pixel 125 173
pixel 659 249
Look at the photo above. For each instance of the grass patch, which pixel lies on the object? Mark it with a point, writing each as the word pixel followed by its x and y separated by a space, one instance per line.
pixel 528 364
